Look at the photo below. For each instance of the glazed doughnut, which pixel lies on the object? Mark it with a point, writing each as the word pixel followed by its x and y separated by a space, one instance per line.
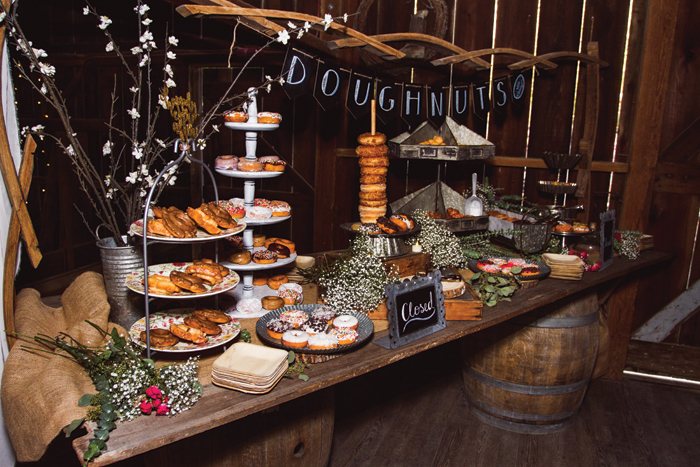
pixel 226 162
pixel 345 336
pixel 290 297
pixel 162 285
pixel 241 257
pixel 280 208
pixel 370 179
pixel 372 151
pixel 277 327
pixel 245 165
pixel 264 159
pixel 272 303
pixel 372 195
pixel 274 166
pixel 236 116
pixel 373 170
pixel 207 327
pixel 288 243
pixel 373 202
pixel 281 250
pixel 314 326
pixel 264 257
pixel 160 338
pixel 259 213
pixel 294 317
pixel 209 273
pixel 179 223
pixel 269 117
pixel 188 333
pixel 259 239
pixel 369 139
pixel 204 220
pixel 236 212
pixel 295 338
pixel 215 316
pixel 157 227
pixel 220 215
pixel 265 203
pixel 187 281
pixel 274 282
pixel 322 341
pixel 260 278
pixel 324 313
pixel 345 321
pixel 249 306
pixel 387 226
pixel 368 162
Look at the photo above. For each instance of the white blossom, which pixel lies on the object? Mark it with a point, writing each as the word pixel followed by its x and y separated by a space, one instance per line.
pixel 345 18
pixel 110 193
pixel 86 11
pixel 2 16
pixel 134 89
pixel 201 143
pixel 40 53
pixel 170 83
pixel 327 20
pixel 172 40
pixel 161 143
pixel 144 169
pixel 132 177
pixel 142 9
pixel 146 21
pixel 134 113
pixel 143 193
pixel 307 26
pixel 149 180
pixel 144 61
pixel 268 87
pixel 292 26
pixel 215 128
pixel 44 89
pixel 107 148
pixel 70 151
pixel 145 37
pixel 163 101
pixel 108 180
pixel 169 70
pixel 110 46
pixel 38 128
pixel 172 169
pixel 136 50
pixel 283 36
pixel 137 152
pixel 281 80
pixel 104 22
pixel 48 70
pixel 171 55
pixel 171 180
pixel 300 33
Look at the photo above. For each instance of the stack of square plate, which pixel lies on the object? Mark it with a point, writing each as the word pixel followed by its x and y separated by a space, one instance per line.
pixel 567 267
pixel 250 368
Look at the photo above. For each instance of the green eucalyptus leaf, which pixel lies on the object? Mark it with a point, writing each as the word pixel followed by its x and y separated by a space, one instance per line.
pixel 198 386
pixel 102 384
pixel 85 400
pixel 102 434
pixel 506 299
pixel 490 289
pixel 516 270
pixel 507 290
pixel 304 377
pixel 106 354
pixel 73 425
pixel 491 280
pixel 491 303
pixel 502 281
pixel 290 357
pixel 476 276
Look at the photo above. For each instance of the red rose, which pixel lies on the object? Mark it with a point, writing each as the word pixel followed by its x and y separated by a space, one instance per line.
pixel 618 236
pixel 146 407
pixel 153 392
pixel 162 410
pixel 156 403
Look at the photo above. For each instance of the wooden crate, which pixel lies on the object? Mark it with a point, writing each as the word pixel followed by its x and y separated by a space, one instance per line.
pixel 466 307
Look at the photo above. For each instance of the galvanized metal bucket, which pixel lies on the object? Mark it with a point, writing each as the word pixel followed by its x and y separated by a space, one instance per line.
pixel 127 307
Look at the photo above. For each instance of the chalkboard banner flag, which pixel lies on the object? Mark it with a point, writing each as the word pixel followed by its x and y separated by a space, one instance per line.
pixel 328 88
pixel 460 104
pixel 437 105
pixel 388 101
pixel 481 101
pixel 416 309
pixel 412 105
pixel 518 88
pixel 500 93
pixel 607 238
pixel 360 95
pixel 298 71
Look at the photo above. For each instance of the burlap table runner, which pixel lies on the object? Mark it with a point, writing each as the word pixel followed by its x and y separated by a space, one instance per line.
pixel 40 391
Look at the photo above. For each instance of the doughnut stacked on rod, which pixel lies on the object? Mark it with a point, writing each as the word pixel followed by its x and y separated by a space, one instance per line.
pixel 374 165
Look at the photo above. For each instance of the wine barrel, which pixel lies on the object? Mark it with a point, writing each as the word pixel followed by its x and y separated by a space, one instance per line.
pixel 529 375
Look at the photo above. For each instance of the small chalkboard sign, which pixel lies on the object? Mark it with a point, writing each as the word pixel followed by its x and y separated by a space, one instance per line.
pixel 607 236
pixel 416 309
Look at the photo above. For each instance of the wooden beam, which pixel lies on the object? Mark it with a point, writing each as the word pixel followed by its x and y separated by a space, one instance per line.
pixel 546 64
pixel 679 178
pixel 585 58
pixel 685 146
pixel 661 325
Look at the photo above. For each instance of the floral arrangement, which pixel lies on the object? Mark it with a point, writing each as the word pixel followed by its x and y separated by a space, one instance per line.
pixel 442 245
pixel 118 200
pixel 356 281
pixel 128 386
pixel 626 243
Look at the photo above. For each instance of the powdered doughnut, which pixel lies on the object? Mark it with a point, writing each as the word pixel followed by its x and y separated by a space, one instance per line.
pixel 373 202
pixel 345 336
pixel 373 170
pixel 295 338
pixel 237 201
pixel 290 297
pixel 275 282
pixel 259 213
pixel 345 321
pixel 369 179
pixel 245 165
pixel 372 151
pixel 295 317
pixel 272 303
pixel 277 327
pixel 249 306
pixel 322 341
pixel 369 139
pixel 367 162
pixel 226 162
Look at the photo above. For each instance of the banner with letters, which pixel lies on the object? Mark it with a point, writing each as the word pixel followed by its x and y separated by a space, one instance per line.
pixel 413 102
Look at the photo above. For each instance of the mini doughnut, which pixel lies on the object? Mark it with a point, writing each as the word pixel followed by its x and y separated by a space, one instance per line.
pixel 372 151
pixel 160 337
pixel 280 208
pixel 237 116
pixel 226 162
pixel 345 321
pixel 369 179
pixel 373 188
pixel 265 203
pixel 322 341
pixel 288 243
pixel 366 162
pixel 269 117
pixel 369 139
pixel 249 306
pixel 291 286
pixel 372 195
pixel 259 278
pixel 272 303
pixel 245 165
pixel 264 159
pixel 281 250
pixel 295 338
pixel 274 282
pixel 236 212
pixel 295 317
pixel 264 257
pixel 259 239
pixel 290 297
pixel 373 202
pixel 314 326
pixel 274 166
pixel 277 327
pixel 215 316
pixel 345 336
pixel 259 213
pixel 241 257
pixel 325 313
pixel 373 170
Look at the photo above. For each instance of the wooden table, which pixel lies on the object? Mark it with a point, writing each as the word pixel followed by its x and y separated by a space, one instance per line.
pixel 219 406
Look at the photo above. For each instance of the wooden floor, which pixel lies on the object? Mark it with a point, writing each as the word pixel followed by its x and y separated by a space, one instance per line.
pixel 416 415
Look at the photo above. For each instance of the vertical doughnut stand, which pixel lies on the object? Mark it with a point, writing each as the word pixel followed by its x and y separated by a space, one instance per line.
pixel 251 128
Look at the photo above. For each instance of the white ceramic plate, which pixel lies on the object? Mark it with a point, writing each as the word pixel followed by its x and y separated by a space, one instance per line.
pixel 252 126
pixel 134 281
pixel 271 220
pixel 241 174
pixel 201 235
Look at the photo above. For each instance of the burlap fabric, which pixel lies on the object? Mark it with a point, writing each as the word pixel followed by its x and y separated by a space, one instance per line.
pixel 40 391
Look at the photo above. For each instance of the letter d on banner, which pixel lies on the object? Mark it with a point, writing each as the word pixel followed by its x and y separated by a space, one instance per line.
pixel 298 72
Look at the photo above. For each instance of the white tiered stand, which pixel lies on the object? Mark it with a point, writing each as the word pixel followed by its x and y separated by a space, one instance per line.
pixel 245 289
